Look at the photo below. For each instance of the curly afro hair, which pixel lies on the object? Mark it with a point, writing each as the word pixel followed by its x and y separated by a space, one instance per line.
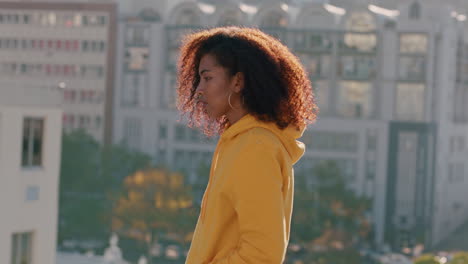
pixel 276 86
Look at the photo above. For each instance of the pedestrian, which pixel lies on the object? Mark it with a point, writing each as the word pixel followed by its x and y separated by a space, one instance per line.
pixel 248 88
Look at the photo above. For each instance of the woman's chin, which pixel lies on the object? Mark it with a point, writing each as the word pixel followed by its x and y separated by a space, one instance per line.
pixel 214 115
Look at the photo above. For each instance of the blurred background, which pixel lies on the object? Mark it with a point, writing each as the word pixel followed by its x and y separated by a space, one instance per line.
pixel 97 166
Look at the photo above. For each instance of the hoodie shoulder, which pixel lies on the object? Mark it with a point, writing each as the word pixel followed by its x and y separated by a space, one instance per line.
pixel 260 135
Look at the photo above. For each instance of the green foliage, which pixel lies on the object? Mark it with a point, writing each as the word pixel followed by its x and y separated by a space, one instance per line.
pixel 89 176
pixel 328 214
pixel 460 258
pixel 426 259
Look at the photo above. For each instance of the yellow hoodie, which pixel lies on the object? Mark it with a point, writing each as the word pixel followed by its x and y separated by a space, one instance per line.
pixel 246 209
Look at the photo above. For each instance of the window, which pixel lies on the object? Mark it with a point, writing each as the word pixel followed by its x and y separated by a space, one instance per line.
pixel 26 18
pixel 74 45
pixel 358 42
pixel 456 172
pixel 180 133
pixel 312 41
pixel 136 59
pixel 58 44
pixel 24 44
pixel 357 67
pixel 32 193
pixel 52 19
pixel 15 18
pixel 370 169
pixel 194 135
pixel 162 131
pixel 179 159
pixel 100 71
pixel 92 20
pixel 461 103
pixel 355 99
pixel 321 93
pixel 84 121
pixel 68 20
pixel 413 43
pixel 84 45
pixel 371 140
pixel 33 129
pixel 230 17
pixel 94 46
pixel 84 20
pixel 67 96
pixel 188 17
pixel 21 248
pixel 415 11
pixel 412 68
pixel 77 20
pixel 135 90
pixel 171 91
pixel 92 71
pixel 316 65
pixel 67 45
pixel 23 68
pixel 161 156
pixel 138 35
pixel 50 44
pixel 332 141
pixel 173 55
pixel 83 96
pixel 410 101
pixel 14 43
pixel 102 20
pixel 98 122
pixel 132 133
pixel 274 19
pixel 72 95
pixel 102 46
pixel 71 120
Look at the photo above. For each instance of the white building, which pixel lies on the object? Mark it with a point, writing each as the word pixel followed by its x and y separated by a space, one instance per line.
pixel 30 147
pixel 391 85
pixel 67 44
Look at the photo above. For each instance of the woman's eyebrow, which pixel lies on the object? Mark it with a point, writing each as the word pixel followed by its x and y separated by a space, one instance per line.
pixel 203 71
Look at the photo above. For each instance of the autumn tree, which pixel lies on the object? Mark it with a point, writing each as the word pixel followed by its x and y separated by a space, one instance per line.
pixel 155 203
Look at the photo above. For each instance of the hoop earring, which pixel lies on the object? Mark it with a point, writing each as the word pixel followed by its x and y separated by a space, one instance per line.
pixel 229 101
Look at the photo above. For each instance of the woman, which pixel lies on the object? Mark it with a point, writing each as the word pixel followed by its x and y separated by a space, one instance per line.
pixel 248 88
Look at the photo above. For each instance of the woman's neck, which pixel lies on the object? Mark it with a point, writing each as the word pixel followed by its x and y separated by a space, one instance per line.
pixel 234 116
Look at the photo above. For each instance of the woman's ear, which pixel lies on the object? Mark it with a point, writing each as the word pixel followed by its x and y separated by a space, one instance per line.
pixel 238 82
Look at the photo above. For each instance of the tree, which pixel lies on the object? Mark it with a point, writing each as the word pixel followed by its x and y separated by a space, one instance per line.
pixel 155 203
pixel 459 258
pixel 328 216
pixel 89 176
pixel 426 259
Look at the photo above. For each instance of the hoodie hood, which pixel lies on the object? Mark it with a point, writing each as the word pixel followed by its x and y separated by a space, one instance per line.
pixel 287 136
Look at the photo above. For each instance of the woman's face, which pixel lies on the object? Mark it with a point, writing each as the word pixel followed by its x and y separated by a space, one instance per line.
pixel 215 86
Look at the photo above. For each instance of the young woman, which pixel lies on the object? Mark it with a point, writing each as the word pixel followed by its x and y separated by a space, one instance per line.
pixel 248 88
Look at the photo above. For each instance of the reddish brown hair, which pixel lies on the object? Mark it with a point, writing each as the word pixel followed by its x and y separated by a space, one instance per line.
pixel 276 86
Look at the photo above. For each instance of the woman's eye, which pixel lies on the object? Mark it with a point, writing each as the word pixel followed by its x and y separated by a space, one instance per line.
pixel 207 78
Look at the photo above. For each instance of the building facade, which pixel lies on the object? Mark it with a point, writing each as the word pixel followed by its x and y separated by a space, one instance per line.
pixel 390 86
pixel 30 147
pixel 67 45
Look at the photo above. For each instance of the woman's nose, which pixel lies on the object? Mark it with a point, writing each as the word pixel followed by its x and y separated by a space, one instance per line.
pixel 198 93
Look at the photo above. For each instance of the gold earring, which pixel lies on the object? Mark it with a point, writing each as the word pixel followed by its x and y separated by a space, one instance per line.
pixel 229 101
